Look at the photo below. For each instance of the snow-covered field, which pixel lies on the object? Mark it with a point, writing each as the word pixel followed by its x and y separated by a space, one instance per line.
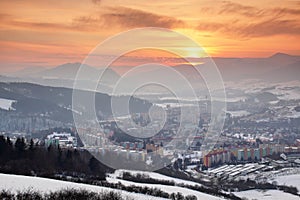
pixel 289 180
pixel 286 91
pixel 169 189
pixel 16 183
pixel 266 195
pixel 6 104
pixel 238 113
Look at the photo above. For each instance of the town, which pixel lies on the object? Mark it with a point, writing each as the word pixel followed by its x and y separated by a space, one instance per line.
pixel 246 149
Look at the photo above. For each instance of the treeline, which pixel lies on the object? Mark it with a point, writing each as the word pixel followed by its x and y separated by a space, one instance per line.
pixel 66 194
pixel 152 191
pixel 169 171
pixel 15 121
pixel 142 178
pixel 73 194
pixel 63 164
pixel 31 159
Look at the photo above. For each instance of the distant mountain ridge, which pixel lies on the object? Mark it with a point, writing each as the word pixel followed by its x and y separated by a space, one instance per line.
pixel 271 69
pixel 64 76
pixel 276 68
pixel 27 71
pixel 67 71
pixel 279 67
pixel 237 69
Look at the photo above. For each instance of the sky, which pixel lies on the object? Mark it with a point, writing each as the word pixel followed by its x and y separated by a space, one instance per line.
pixel 51 32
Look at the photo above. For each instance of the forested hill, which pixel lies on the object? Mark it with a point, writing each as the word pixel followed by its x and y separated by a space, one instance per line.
pixel 37 107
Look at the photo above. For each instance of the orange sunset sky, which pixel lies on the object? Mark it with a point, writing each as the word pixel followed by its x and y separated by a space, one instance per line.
pixel 52 32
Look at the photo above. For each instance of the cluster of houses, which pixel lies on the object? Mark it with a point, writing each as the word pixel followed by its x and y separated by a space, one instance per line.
pixel 63 140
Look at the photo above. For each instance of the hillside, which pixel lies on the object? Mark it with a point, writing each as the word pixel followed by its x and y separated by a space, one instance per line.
pixel 52 105
pixel 17 183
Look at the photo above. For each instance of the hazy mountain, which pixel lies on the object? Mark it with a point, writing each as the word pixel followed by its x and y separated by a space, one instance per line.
pixel 67 71
pixel 29 71
pixel 276 68
pixel 284 58
pixel 9 79
pixel 64 71
pixel 289 72
pixel 236 69
pixel 64 76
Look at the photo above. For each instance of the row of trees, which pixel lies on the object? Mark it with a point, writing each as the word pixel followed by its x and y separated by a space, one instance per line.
pixel 25 158
pixel 142 178
pixel 66 194
pixel 73 194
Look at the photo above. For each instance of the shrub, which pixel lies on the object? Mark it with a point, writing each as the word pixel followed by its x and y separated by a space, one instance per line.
pixel 6 195
pixel 65 194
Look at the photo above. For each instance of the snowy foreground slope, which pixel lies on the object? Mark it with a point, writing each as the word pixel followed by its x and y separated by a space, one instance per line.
pixel 16 183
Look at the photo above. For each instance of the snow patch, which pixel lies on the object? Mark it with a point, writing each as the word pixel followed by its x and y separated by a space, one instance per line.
pixel 6 104
pixel 289 180
pixel 238 113
pixel 266 195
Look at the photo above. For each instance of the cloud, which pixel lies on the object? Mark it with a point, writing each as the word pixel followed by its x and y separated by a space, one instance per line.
pixel 111 17
pixel 137 18
pixel 285 11
pixel 268 27
pixel 128 18
pixel 263 22
pixel 96 1
pixel 4 17
pixel 232 8
pixel 41 25
pixel 11 21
